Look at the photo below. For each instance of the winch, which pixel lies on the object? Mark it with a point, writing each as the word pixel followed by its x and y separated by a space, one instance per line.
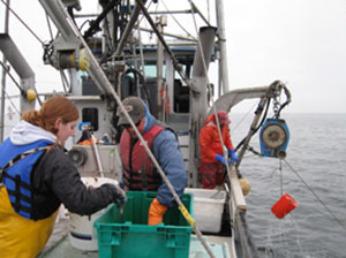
pixel 274 138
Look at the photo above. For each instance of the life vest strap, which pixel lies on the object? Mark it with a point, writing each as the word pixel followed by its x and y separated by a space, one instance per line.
pixel 23 155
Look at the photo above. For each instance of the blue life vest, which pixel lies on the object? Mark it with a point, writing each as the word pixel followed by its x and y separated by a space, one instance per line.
pixel 16 166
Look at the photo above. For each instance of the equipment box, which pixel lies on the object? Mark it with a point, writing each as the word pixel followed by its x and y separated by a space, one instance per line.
pixel 128 235
pixel 208 208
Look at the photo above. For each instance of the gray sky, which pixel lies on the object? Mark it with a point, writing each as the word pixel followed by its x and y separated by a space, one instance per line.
pixel 301 42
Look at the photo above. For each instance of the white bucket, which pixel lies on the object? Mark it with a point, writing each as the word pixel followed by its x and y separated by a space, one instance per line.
pixel 208 206
pixel 82 234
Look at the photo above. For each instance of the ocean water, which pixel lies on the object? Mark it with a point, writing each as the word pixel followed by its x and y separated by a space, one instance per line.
pixel 317 152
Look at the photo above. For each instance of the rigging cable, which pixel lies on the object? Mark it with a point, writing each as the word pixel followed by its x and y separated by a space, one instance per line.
pixel 65 84
pixel 243 118
pixel 254 131
pixel 11 102
pixel 281 177
pixel 141 19
pixel 296 228
pixel 176 64
pixel 21 90
pixel 196 10
pixel 23 23
pixel 15 82
pixel 6 69
pixel 177 22
pixel 49 27
pixel 290 216
pixel 316 196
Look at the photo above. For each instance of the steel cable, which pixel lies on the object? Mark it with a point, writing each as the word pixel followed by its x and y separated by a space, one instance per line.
pixel 316 196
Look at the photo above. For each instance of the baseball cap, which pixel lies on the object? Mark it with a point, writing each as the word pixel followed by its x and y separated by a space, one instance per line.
pixel 135 107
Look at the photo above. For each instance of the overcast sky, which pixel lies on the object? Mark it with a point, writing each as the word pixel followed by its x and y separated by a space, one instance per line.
pixel 301 42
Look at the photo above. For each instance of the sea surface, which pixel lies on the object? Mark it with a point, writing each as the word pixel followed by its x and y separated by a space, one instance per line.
pixel 317 153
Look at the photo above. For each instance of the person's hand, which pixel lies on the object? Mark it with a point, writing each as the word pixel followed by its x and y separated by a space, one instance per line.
pixel 233 155
pixel 120 198
pixel 156 212
pixel 220 159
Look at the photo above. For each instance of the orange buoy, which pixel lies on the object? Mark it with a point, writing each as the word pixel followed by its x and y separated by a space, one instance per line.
pixel 284 205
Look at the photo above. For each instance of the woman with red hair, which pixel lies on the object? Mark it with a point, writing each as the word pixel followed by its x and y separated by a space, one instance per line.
pixel 36 176
pixel 212 162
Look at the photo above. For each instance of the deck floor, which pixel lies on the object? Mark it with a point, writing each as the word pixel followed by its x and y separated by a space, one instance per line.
pixel 59 246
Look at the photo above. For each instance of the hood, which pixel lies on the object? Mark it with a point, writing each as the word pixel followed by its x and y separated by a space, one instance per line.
pixel 26 133
pixel 223 118
pixel 149 119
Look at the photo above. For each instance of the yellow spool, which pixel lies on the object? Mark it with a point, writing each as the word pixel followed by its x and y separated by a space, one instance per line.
pixel 84 63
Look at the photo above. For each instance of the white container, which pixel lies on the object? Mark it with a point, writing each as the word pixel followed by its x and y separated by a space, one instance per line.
pixel 208 208
pixel 82 234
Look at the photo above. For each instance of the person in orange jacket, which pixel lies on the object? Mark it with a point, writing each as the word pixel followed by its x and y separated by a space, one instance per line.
pixel 212 162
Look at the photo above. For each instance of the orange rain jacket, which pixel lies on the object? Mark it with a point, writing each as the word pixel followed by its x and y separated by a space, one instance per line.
pixel 209 139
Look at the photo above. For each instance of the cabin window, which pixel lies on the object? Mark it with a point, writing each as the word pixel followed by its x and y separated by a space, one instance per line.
pixel 91 115
pixel 150 70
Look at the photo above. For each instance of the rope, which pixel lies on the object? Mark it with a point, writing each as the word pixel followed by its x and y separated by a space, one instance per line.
pixel 244 116
pixel 49 27
pixel 177 22
pixel 22 22
pixel 316 196
pixel 296 228
pixel 281 177
pixel 141 19
pixel 64 81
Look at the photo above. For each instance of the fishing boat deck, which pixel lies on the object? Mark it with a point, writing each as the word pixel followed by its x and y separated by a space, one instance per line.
pixel 60 247
pixel 63 249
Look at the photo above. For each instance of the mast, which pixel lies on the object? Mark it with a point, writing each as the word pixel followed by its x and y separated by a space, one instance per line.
pixel 161 22
pixel 3 81
pixel 198 94
pixel 222 42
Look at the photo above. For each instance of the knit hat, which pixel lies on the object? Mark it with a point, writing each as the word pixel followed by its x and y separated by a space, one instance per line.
pixel 135 107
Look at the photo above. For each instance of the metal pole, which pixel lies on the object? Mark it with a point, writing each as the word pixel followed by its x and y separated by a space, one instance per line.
pixel 222 42
pixel 3 80
pixel 128 29
pixel 161 22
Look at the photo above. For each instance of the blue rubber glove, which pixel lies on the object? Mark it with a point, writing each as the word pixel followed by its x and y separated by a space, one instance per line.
pixel 220 159
pixel 233 155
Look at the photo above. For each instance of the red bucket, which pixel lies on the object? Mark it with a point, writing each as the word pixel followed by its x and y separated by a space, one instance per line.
pixel 284 205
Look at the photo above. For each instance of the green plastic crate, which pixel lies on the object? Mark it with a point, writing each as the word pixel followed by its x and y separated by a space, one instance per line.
pixel 129 236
